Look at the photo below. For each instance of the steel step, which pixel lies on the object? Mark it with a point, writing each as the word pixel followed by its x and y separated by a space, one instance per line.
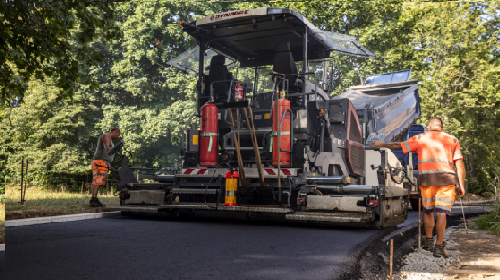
pixel 194 191
pixel 257 208
pixel 190 205
pixel 130 208
pixel 330 217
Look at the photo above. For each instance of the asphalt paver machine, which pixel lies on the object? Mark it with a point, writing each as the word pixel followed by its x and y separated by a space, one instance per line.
pixel 275 146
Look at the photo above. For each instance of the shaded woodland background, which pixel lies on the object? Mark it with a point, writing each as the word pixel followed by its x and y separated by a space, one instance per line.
pixel 70 70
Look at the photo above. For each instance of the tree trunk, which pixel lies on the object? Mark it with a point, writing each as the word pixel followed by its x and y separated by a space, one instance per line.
pixel 472 168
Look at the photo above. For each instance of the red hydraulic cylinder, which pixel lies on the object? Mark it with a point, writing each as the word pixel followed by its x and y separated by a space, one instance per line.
pixel 284 106
pixel 208 134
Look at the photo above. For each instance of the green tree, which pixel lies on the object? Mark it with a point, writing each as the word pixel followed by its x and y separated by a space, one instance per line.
pixel 136 91
pixel 458 46
pixel 149 100
pixel 34 41
pixel 45 131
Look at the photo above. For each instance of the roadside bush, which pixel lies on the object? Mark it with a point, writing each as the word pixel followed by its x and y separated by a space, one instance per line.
pixel 491 222
pixel 483 183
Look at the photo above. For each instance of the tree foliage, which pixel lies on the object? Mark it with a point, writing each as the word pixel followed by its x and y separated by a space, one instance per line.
pixel 34 41
pixel 458 46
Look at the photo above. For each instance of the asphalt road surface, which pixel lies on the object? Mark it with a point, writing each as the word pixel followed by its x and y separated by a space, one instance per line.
pixel 159 248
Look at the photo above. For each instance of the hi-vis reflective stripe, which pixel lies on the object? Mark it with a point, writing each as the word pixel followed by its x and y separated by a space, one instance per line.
pixel 407 146
pixel 445 200
pixel 420 172
pixel 457 153
pixel 435 160
pixel 275 133
pixel 428 200
pixel 211 139
pixel 231 193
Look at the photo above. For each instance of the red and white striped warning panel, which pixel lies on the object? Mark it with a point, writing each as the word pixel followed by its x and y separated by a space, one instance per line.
pixel 249 172
pixel 194 171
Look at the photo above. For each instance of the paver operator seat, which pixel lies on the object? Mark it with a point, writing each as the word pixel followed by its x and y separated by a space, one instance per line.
pixel 284 63
pixel 219 72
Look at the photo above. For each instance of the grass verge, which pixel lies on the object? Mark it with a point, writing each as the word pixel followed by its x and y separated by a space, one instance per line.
pixel 2 223
pixel 41 202
pixel 491 221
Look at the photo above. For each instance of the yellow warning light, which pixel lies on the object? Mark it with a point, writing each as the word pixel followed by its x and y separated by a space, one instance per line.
pixel 182 23
pixel 348 180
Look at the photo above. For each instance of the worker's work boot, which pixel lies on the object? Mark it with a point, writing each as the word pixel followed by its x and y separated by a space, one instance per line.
pixel 94 202
pixel 428 244
pixel 439 251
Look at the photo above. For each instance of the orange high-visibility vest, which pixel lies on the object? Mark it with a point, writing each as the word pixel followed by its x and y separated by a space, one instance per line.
pixel 437 152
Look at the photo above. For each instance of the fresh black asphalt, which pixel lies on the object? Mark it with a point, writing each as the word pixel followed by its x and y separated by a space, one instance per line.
pixel 160 248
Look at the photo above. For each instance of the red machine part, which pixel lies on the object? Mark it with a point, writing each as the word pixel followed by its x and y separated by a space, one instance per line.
pixel 373 202
pixel 355 150
pixel 209 135
pixel 284 108
pixel 238 92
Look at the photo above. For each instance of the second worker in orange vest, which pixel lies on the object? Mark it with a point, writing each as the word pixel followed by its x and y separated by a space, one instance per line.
pixel 437 152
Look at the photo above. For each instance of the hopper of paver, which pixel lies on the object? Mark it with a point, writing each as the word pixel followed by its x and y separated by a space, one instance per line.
pixel 387 105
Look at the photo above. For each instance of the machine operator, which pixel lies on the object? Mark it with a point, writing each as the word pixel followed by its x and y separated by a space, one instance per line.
pixel 102 163
pixel 437 152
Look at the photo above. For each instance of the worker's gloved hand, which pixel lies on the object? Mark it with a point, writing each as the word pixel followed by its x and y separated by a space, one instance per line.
pixel 116 148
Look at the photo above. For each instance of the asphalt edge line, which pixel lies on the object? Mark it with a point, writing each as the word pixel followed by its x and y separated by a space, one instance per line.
pixel 60 219
pixel 475 203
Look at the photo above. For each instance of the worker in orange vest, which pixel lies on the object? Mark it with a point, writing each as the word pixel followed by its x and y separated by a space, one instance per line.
pixel 102 163
pixel 437 152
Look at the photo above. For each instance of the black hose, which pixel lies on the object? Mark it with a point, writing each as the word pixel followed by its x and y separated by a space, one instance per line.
pixel 211 179
pixel 397 169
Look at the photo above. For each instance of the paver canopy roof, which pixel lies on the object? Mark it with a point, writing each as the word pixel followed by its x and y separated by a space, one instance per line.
pixel 249 36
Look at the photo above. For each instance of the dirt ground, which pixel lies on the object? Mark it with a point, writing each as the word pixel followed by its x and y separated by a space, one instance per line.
pixel 14 215
pixel 479 255
pixel 471 197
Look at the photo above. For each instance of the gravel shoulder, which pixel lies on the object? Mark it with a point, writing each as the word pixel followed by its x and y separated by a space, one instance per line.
pixel 472 255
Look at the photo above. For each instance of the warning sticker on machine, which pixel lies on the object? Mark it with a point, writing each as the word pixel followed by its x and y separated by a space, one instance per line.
pixel 258 117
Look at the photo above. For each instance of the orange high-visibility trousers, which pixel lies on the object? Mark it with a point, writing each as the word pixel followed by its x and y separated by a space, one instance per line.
pixel 438 199
pixel 100 170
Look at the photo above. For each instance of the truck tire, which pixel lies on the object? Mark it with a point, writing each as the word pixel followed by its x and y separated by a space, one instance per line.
pixel 414 203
